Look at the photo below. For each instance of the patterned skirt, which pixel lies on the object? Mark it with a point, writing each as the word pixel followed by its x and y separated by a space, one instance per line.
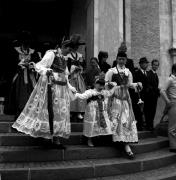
pixel 77 81
pixel 123 121
pixel 92 118
pixel 34 119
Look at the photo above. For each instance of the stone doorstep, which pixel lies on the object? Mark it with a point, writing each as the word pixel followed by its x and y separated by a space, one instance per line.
pixel 77 152
pixel 20 139
pixel 86 168
pixel 6 127
pixel 163 173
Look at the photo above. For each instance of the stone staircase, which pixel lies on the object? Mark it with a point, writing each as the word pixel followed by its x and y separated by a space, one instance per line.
pixel 26 158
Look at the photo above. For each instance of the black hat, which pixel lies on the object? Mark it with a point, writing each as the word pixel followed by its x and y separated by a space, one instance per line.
pixel 121 54
pixel 100 79
pixel 143 60
pixel 67 43
pixel 76 40
pixel 122 48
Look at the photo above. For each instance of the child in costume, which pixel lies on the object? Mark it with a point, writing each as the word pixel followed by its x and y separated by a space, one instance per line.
pixel 96 120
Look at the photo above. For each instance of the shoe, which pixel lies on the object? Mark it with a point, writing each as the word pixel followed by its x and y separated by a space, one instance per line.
pixel 58 146
pixel 80 116
pixel 90 143
pixel 130 155
pixel 172 150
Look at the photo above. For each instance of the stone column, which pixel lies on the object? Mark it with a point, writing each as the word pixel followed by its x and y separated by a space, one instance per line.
pixel 172 50
pixel 108 27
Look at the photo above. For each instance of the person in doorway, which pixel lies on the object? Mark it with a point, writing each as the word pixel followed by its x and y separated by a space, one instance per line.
pixel 121 112
pixel 96 120
pixel 76 66
pixel 168 92
pixel 153 94
pixel 47 112
pixel 25 79
pixel 141 75
pixel 92 72
pixel 102 58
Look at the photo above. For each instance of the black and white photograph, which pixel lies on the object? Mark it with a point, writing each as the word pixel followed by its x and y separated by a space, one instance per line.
pixel 87 89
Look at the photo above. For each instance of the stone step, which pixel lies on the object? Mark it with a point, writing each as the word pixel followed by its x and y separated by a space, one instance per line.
pixel 77 152
pixel 20 139
pixel 81 169
pixel 6 127
pixel 7 118
pixel 164 173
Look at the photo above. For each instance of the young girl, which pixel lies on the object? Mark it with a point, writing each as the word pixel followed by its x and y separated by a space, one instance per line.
pixel 96 121
pixel 75 66
pixel 121 112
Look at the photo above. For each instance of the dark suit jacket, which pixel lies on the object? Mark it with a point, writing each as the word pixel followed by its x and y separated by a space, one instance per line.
pixel 104 67
pixel 153 84
pixel 140 77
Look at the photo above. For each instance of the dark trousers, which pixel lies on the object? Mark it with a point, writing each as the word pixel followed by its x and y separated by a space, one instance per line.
pixel 150 110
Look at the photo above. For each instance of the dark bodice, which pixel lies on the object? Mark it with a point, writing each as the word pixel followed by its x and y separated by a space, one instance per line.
pixel 120 79
pixel 59 64
pixel 96 98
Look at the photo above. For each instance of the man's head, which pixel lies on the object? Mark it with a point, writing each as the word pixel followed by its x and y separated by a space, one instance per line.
pixel 143 62
pixel 155 65
pixel 121 58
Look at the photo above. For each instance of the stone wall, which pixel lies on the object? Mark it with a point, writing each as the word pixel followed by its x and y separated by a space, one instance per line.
pixel 145 29
pixel 109 27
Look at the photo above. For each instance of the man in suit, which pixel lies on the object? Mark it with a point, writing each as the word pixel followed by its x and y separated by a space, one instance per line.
pixel 153 94
pixel 141 75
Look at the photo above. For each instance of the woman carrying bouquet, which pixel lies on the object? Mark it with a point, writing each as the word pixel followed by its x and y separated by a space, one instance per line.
pixel 121 112
pixel 49 103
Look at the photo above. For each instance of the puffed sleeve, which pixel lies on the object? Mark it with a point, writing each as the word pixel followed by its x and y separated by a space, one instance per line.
pixel 45 63
pixel 87 94
pixel 108 93
pixel 166 84
pixel 108 76
pixel 130 80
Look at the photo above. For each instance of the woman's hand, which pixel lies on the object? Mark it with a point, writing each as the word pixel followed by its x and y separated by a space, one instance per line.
pixel 73 89
pixel 49 72
pixel 139 84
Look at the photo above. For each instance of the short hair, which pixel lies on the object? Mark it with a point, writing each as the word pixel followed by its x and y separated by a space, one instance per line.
pixel 154 60
pixel 174 67
pixel 102 54
pixel 121 54
pixel 94 58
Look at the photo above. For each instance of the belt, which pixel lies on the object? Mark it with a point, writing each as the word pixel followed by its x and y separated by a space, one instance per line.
pixel 61 83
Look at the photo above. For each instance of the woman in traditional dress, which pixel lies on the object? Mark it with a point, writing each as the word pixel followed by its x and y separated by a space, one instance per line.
pixel 96 120
pixel 47 112
pixel 168 93
pixel 25 79
pixel 120 107
pixel 75 66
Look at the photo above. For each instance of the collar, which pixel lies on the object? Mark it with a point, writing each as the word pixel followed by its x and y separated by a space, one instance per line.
pixel 153 71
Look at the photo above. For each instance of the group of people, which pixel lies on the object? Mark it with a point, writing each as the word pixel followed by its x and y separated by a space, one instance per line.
pixel 49 91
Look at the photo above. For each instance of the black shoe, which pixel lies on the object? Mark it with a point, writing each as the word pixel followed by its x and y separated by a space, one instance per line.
pixel 172 150
pixel 130 155
pixel 58 146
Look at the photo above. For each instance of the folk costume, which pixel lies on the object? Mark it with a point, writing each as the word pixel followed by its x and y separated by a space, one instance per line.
pixel 34 119
pixel 120 107
pixel 75 67
pixel 23 82
pixel 96 120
